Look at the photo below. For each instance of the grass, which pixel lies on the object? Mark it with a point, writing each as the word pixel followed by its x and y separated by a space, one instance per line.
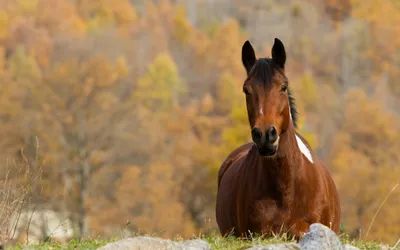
pixel 74 244
pixel 215 241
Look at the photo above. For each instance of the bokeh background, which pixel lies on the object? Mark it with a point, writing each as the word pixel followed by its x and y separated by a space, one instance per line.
pixel 116 114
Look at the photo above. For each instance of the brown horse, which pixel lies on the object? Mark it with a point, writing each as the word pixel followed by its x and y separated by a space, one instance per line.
pixel 274 184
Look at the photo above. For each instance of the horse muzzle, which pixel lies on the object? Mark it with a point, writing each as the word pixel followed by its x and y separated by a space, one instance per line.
pixel 267 143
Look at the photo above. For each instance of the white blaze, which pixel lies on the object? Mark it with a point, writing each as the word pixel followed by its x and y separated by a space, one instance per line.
pixel 303 148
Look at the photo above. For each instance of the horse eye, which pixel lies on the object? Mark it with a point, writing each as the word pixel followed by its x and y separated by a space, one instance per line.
pixel 284 88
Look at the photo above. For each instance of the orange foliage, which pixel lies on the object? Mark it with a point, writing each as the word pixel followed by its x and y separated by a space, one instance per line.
pixel 135 106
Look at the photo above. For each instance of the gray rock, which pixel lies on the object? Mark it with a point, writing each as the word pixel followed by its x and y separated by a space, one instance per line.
pixel 147 243
pixel 320 237
pixel 285 246
pixel 195 245
pixel 350 247
pixel 387 247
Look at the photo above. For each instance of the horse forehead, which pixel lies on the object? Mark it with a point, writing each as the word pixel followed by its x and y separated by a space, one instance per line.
pixel 267 95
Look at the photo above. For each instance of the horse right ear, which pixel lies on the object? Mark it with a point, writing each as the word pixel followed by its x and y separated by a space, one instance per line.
pixel 248 56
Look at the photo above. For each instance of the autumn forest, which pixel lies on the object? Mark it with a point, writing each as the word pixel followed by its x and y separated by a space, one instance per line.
pixel 127 108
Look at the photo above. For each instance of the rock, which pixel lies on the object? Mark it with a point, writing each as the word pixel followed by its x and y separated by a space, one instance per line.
pixel 285 246
pixel 195 244
pixel 147 243
pixel 320 237
pixel 350 247
pixel 386 247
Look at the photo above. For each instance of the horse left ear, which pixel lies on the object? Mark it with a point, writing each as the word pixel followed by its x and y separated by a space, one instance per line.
pixel 248 56
pixel 278 53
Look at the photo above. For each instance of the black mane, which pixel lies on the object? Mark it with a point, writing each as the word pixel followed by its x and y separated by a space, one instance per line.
pixel 263 70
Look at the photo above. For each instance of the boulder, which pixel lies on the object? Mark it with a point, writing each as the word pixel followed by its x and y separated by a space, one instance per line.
pixel 320 237
pixel 147 243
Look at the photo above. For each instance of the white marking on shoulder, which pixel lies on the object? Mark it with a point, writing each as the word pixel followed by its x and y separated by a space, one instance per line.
pixel 261 111
pixel 304 150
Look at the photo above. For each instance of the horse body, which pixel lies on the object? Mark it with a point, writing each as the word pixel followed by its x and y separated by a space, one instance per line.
pixel 257 194
pixel 282 193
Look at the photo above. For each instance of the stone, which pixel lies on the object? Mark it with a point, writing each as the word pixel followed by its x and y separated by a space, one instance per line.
pixel 147 243
pixel 285 246
pixel 387 247
pixel 320 237
pixel 350 247
pixel 195 244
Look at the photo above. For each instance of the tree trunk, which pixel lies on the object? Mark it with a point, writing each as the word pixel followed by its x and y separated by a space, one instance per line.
pixel 83 188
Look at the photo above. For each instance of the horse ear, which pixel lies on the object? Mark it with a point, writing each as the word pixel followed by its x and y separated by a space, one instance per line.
pixel 278 53
pixel 248 56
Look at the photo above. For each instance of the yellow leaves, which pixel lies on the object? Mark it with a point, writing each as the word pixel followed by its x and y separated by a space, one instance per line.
pixel 308 91
pixel 88 86
pixel 226 48
pixel 238 133
pixel 99 157
pixel 28 6
pixel 160 87
pixel 159 193
pixel 121 66
pixel 126 14
pixel 368 116
pixel 101 71
pixel 106 13
pixel 182 25
pixel 23 66
pixel 4 24
pixel 227 87
pixel 105 73
pixel 48 15
pixel 381 11
pixel 366 146
pixel 106 101
pixel 305 94
pixel 46 107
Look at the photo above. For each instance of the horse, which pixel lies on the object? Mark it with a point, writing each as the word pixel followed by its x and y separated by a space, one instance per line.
pixel 275 183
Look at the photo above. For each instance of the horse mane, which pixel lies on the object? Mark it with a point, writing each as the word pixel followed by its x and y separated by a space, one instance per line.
pixel 263 70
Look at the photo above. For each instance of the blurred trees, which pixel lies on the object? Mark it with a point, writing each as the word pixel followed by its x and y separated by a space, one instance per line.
pixel 135 104
pixel 365 163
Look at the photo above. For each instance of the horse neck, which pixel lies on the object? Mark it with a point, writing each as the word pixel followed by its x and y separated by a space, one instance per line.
pixel 289 152
pixel 280 171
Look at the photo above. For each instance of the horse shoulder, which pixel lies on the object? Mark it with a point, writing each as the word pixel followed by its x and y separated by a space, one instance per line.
pixel 236 154
pixel 332 196
pixel 322 174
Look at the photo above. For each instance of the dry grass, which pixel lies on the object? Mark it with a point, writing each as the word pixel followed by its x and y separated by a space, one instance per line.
pixel 19 184
pixel 380 206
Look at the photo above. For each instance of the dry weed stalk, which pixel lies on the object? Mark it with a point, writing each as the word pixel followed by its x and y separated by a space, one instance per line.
pixel 19 184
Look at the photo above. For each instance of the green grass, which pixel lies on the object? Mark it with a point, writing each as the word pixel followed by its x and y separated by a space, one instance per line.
pixel 236 244
pixel 74 244
pixel 216 243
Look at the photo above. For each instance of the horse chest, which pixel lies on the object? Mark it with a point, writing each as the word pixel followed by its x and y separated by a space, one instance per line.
pixel 268 216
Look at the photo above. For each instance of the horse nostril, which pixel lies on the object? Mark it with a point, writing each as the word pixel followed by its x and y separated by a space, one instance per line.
pixel 272 134
pixel 256 134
